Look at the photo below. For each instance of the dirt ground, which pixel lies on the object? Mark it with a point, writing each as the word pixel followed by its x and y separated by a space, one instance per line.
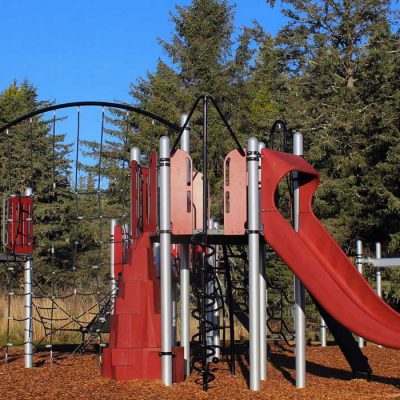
pixel 328 377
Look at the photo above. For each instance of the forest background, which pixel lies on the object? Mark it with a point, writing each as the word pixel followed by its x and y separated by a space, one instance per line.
pixel 332 72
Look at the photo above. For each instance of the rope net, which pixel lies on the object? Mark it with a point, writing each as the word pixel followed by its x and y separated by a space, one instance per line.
pixel 76 161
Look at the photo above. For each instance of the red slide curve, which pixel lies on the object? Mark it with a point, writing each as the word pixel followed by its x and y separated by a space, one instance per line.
pixel 318 261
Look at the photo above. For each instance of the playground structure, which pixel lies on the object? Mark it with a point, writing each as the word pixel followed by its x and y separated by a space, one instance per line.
pixel 170 206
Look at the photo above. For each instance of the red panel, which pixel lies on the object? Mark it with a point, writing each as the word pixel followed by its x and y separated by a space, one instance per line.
pixel 135 335
pixel 198 200
pixel 235 193
pixel 181 193
pixel 145 198
pixel 119 248
pixel 135 196
pixel 20 224
pixel 153 195
pixel 318 261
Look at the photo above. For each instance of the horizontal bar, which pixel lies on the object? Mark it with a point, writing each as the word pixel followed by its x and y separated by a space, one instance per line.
pixel 382 262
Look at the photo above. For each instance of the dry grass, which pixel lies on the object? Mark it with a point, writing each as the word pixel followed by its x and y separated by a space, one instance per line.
pixel 76 306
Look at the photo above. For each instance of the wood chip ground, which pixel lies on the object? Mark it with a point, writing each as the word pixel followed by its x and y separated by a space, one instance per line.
pixel 328 377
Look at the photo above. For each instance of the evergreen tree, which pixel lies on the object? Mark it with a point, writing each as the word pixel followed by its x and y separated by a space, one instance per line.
pixel 27 159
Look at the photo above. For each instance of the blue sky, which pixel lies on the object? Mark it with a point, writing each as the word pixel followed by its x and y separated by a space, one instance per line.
pixel 92 50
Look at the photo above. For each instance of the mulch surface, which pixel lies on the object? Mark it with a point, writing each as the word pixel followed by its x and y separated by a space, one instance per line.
pixel 328 377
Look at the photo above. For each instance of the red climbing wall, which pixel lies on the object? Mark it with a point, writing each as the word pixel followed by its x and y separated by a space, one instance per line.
pixel 135 334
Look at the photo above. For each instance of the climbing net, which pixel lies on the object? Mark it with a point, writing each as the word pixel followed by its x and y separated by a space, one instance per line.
pixel 80 183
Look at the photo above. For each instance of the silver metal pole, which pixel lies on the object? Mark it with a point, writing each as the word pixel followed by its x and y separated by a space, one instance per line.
pixel 185 138
pixel 165 262
pixel 174 306
pixel 299 291
pixel 378 255
pixel 263 290
pixel 134 156
pixel 323 333
pixel 359 265
pixel 28 329
pixel 253 218
pixel 185 306
pixel 216 315
pixel 185 274
pixel 209 292
pixel 113 224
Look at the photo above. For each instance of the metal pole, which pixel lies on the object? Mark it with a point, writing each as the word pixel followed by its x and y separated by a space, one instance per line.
pixel 185 274
pixel 174 306
pixel 299 291
pixel 378 255
pixel 263 290
pixel 165 262
pixel 216 314
pixel 185 138
pixel 210 292
pixel 203 328
pixel 323 333
pixel 185 306
pixel 28 329
pixel 253 219
pixel 134 156
pixel 359 266
pixel 113 224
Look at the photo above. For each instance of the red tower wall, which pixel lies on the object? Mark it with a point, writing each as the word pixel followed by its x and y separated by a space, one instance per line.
pixel 135 334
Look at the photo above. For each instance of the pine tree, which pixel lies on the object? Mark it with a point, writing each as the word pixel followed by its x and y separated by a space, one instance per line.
pixel 30 156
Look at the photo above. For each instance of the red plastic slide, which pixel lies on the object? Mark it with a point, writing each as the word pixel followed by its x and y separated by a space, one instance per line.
pixel 318 261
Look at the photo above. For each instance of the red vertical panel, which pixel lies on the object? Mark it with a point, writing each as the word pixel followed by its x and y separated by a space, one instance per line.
pixel 20 224
pixel 153 194
pixel 118 250
pixel 235 193
pixel 181 193
pixel 145 198
pixel 135 187
pixel 198 200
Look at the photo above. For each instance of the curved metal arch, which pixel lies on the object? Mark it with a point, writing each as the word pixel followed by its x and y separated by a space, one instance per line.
pixel 125 107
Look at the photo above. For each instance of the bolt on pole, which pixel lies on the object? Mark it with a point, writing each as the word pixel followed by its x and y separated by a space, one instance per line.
pixel 299 291
pixel 253 218
pixel 359 265
pixel 165 262
pixel 28 328
pixel 185 273
pixel 263 289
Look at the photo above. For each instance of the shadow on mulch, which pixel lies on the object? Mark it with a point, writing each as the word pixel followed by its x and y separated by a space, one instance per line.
pixel 283 363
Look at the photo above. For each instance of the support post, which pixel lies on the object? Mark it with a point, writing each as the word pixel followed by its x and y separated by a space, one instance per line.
pixel 165 262
pixel 253 220
pixel 216 315
pixel 185 274
pixel 28 328
pixel 359 265
pixel 263 289
pixel 134 156
pixel 323 332
pixel 113 281
pixel 210 291
pixel 378 254
pixel 299 291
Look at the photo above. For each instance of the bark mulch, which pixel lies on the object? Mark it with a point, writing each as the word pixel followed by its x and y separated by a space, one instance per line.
pixel 328 377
